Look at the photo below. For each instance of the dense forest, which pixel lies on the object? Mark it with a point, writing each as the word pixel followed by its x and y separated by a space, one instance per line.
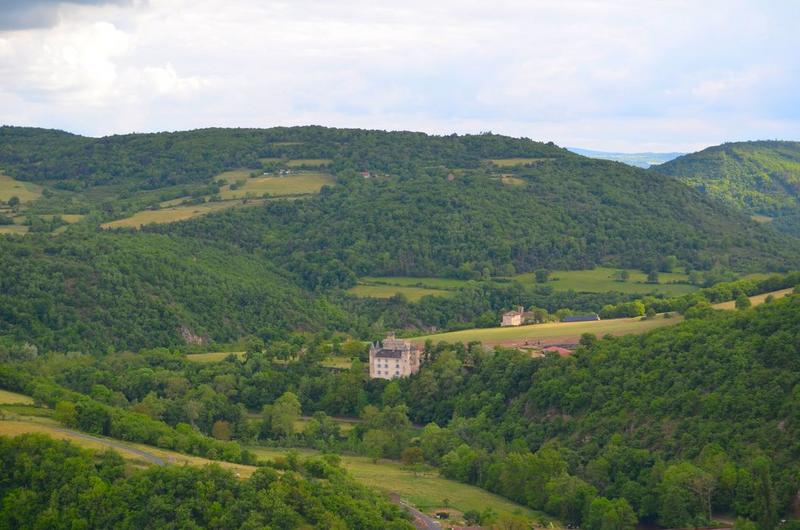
pixel 757 177
pixel 50 484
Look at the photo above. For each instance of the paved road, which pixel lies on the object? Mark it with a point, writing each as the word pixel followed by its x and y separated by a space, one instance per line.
pixel 421 521
pixel 150 457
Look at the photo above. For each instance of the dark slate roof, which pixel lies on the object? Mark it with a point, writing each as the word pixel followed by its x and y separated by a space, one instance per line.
pixel 388 354
pixel 580 318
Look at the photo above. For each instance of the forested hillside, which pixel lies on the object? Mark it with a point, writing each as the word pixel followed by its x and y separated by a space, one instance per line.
pixel 563 213
pixel 679 422
pixel 96 291
pixel 760 178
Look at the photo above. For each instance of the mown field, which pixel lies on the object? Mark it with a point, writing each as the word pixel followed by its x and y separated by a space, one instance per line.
pixel 213 357
pixel 552 330
pixel 426 490
pixel 601 279
pixel 387 291
pixel 173 214
pixel 755 300
pixel 25 191
pixel 12 398
pixel 300 183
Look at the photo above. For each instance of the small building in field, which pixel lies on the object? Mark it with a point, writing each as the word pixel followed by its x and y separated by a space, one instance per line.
pixel 513 318
pixel 393 358
pixel 581 318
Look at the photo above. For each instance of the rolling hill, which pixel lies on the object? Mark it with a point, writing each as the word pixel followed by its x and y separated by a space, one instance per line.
pixel 760 178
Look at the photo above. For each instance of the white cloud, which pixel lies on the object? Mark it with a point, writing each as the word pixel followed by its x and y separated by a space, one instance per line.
pixel 581 72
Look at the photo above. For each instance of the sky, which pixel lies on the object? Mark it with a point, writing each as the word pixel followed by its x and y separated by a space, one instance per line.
pixel 619 75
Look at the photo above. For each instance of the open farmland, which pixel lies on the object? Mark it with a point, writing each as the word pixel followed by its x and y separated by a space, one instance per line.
pixel 13 229
pixel 755 300
pixel 309 162
pixel 213 357
pixel 426 490
pixel 12 398
pixel 601 279
pixel 552 331
pixel 173 214
pixel 413 294
pixel 25 191
pixel 300 183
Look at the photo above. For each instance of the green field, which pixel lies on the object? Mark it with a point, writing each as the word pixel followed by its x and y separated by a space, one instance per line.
pixel 12 398
pixel 552 330
pixel 174 214
pixel 300 183
pixel 447 284
pixel 511 180
pixel 26 191
pixel 426 490
pixel 213 357
pixel 757 299
pixel 601 279
pixel 13 229
pixel 309 162
pixel 513 162
pixel 761 218
pixel 413 294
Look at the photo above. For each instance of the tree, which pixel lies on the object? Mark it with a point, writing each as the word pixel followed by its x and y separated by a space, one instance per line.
pixel 283 414
pixel 376 442
pixel 13 202
pixel 743 302
pixel 568 498
pixel 542 275
pixel 652 276
pixel 765 501
pixel 604 514
pixel 392 394
pixel 622 275
pixel 221 430
pixel 669 263
pixel 66 413
pixel 412 456
pixel 685 493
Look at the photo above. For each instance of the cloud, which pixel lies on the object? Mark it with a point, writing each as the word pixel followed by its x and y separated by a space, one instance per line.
pixel 27 14
pixel 608 75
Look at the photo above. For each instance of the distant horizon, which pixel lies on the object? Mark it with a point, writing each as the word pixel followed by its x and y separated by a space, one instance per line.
pixel 541 140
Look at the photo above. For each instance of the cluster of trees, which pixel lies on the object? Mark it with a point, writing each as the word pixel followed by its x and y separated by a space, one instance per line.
pixel 52 484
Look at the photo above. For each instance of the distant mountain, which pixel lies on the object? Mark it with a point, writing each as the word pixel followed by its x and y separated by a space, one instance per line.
pixel 643 160
pixel 760 178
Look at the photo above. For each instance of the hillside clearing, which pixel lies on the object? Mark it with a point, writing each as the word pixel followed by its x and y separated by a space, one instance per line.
pixel 309 162
pixel 174 214
pixel 25 191
pixel 426 490
pixel 213 357
pixel 602 279
pixel 300 183
pixel 413 294
pixel 552 331
pixel 757 299
pixel 13 229
pixel 12 398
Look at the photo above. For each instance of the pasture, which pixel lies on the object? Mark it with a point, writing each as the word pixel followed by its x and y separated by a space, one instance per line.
pixel 447 284
pixel 552 331
pixel 13 229
pixel 12 398
pixel 602 279
pixel 173 214
pixel 213 357
pixel 756 300
pixel 25 191
pixel 413 294
pixel 309 162
pixel 511 180
pixel 426 489
pixel 300 183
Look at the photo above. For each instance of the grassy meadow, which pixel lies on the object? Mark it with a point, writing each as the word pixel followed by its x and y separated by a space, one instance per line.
pixel 601 279
pixel 309 162
pixel 213 357
pixel 552 330
pixel 13 229
pixel 387 291
pixel 172 215
pixel 300 183
pixel 26 191
pixel 12 398
pixel 756 300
